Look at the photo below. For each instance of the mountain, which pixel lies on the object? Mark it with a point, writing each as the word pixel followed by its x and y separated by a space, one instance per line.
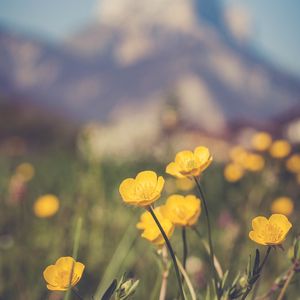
pixel 134 53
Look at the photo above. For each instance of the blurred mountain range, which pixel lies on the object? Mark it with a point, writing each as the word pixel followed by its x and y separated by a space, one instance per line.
pixel 135 56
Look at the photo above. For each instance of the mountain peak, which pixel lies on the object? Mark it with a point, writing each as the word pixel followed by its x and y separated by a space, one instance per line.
pixel 178 15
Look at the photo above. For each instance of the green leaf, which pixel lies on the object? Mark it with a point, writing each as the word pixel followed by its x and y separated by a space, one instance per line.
pixel 256 263
pixel 110 291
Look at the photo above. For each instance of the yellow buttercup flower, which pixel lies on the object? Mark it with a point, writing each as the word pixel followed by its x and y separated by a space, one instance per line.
pixel 188 163
pixel 182 210
pixel 184 184
pixel 261 141
pixel 282 205
pixel 65 273
pixel 150 229
pixel 272 231
pixel 254 162
pixel 46 206
pixel 233 172
pixel 280 149
pixel 293 163
pixel 142 190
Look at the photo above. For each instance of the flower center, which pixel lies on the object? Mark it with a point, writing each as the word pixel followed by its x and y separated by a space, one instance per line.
pixel 272 233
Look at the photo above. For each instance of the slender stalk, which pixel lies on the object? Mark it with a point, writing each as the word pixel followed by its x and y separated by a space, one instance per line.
pixel 165 274
pixel 185 247
pixel 265 259
pixel 150 209
pixel 286 284
pixel 187 280
pixel 74 254
pixel 211 249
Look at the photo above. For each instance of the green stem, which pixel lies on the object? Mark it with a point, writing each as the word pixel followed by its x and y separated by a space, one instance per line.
pixel 150 209
pixel 211 249
pixel 185 247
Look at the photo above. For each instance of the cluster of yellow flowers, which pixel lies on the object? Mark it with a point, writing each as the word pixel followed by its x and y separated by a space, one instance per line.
pixel 146 188
pixel 242 160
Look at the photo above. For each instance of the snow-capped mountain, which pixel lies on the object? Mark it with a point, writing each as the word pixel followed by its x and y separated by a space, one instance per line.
pixel 139 52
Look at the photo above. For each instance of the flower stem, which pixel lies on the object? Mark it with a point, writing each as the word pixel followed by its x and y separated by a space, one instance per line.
pixel 165 274
pixel 286 284
pixel 150 209
pixel 211 249
pixel 185 247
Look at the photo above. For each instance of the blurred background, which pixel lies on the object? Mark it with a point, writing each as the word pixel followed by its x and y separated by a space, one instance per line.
pixel 94 91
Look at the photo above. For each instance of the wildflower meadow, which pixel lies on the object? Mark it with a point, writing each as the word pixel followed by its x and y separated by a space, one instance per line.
pixel 183 226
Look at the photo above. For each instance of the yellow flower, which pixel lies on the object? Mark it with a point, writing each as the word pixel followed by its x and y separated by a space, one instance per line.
pixel 150 229
pixel 143 190
pixel 282 205
pixel 188 163
pixel 184 184
pixel 46 206
pixel 272 231
pixel 182 210
pixel 66 272
pixel 280 149
pixel 293 163
pixel 233 172
pixel 261 141
pixel 238 154
pixel 25 171
pixel 254 162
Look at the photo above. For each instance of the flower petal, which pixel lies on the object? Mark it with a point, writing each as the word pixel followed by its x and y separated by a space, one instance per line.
pixel 148 176
pixel 172 169
pixel 127 190
pixel 259 222
pixel 65 263
pixel 281 221
pixel 202 154
pixel 49 274
pixel 254 237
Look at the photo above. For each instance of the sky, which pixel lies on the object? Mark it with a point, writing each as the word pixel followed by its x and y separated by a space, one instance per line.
pixel 275 23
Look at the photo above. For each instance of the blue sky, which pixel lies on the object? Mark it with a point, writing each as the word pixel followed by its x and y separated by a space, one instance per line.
pixel 276 23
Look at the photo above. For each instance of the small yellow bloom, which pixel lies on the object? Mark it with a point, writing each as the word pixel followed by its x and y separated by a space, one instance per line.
pixel 280 149
pixel 282 205
pixel 184 184
pixel 238 154
pixel 188 163
pixel 233 172
pixel 272 231
pixel 182 210
pixel 64 274
pixel 145 189
pixel 261 141
pixel 254 162
pixel 25 171
pixel 46 206
pixel 150 229
pixel 293 163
